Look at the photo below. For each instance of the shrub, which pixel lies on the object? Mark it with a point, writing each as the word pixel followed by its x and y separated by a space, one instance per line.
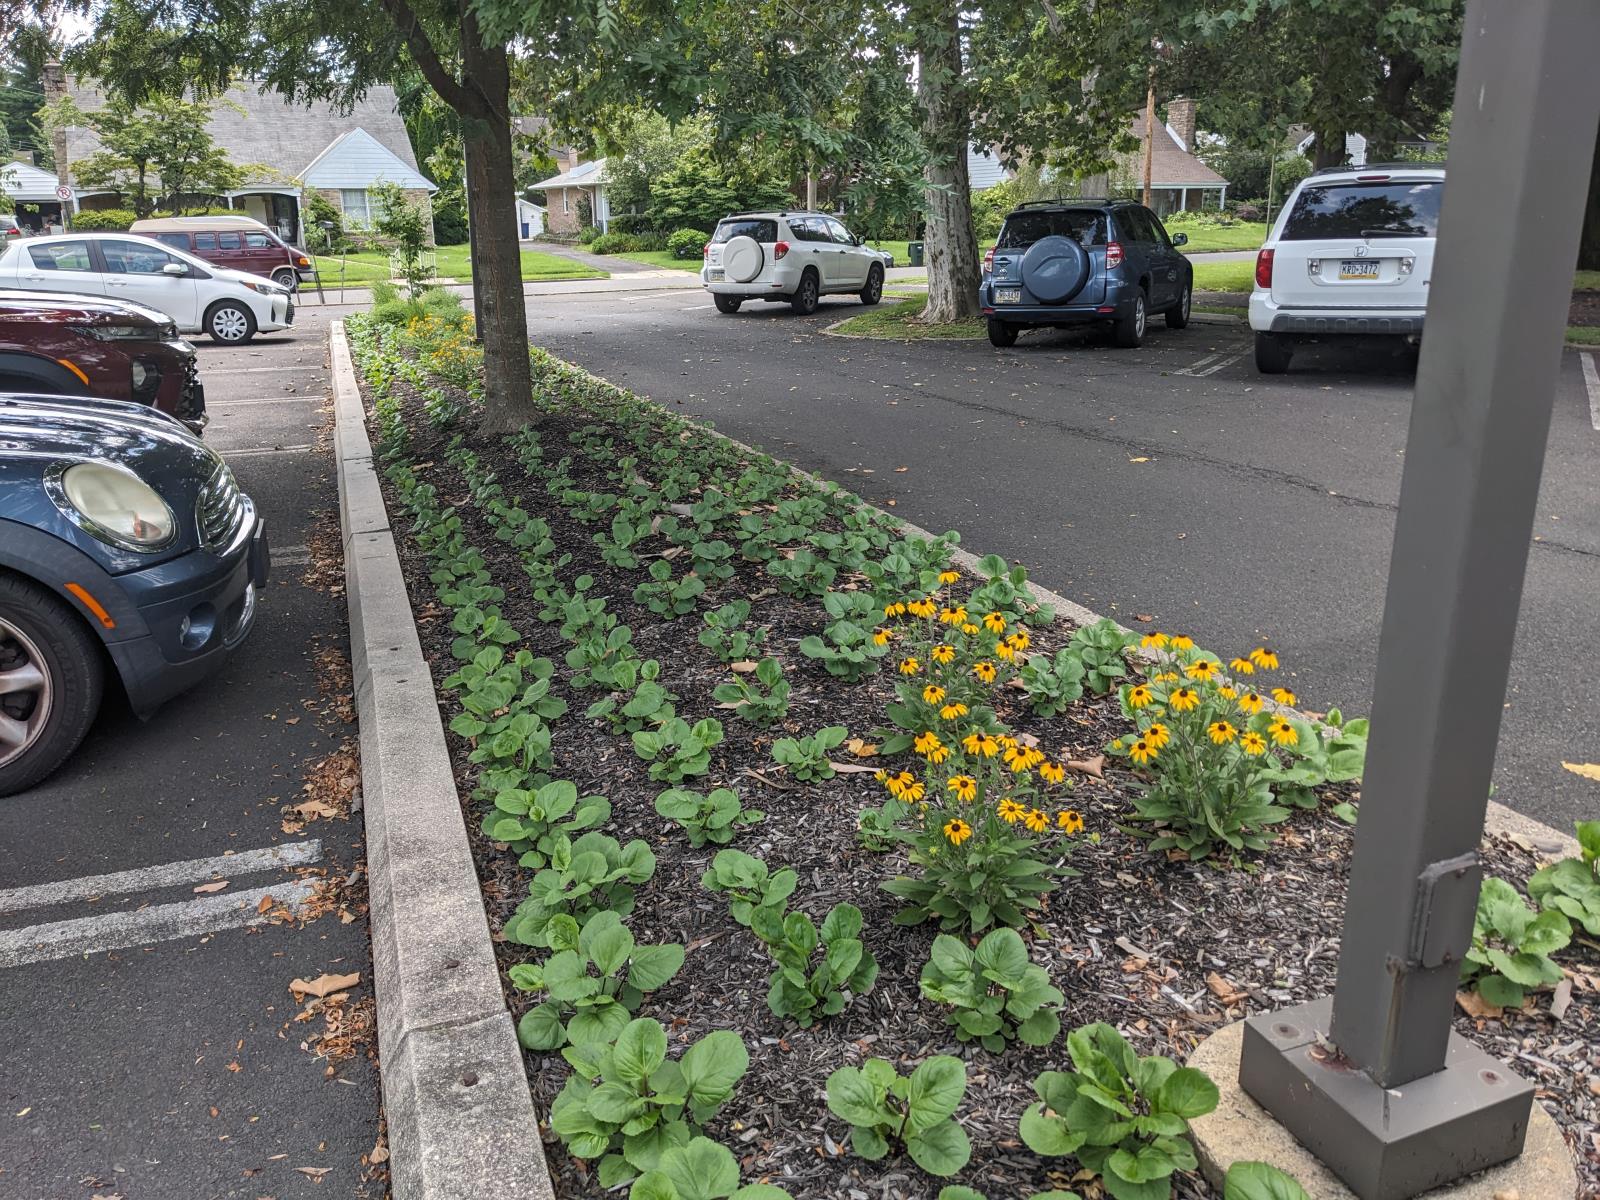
pixel 649 239
pixel 880 1104
pixel 324 224
pixel 588 234
pixel 1249 210
pixel 994 991
pixel 1511 945
pixel 686 243
pixel 103 220
pixel 614 243
pixel 450 224
pixel 763 701
pixel 1572 886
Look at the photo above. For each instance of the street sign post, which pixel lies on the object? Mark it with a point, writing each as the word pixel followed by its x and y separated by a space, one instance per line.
pixel 1377 1085
pixel 63 192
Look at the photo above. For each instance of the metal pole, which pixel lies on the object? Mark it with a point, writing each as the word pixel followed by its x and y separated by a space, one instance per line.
pixel 1149 134
pixel 1526 104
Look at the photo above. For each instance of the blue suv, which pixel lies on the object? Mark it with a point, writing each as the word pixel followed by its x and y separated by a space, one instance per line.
pixel 1071 262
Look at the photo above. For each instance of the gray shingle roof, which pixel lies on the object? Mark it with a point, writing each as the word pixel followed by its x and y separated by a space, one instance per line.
pixel 583 175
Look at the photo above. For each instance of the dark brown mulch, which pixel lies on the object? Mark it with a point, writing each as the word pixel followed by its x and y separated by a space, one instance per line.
pixel 1167 951
pixel 1585 308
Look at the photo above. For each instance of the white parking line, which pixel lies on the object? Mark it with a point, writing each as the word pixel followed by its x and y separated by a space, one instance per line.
pixel 291 556
pixel 1591 381
pixel 145 879
pixel 258 450
pixel 1193 367
pixel 1206 366
pixel 286 398
pixel 210 371
pixel 146 926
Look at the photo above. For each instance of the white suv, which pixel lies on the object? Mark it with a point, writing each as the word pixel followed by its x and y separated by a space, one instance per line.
pixel 793 256
pixel 1351 254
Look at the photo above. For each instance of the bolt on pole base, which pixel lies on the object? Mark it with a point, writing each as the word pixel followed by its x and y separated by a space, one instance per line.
pixel 1385 1143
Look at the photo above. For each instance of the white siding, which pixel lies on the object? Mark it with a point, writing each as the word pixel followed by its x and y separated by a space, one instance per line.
pixel 984 170
pixel 359 160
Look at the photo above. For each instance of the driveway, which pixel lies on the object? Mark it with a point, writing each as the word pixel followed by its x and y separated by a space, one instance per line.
pixel 1170 487
pixel 159 895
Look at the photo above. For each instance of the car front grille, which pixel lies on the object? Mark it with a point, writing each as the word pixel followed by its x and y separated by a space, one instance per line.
pixel 220 509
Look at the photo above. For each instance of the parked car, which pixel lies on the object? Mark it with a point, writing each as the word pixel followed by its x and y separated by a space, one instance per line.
pixel 242 243
pixel 64 345
pixel 125 546
pixel 796 257
pixel 1350 256
pixel 10 229
pixel 231 306
pixel 1071 262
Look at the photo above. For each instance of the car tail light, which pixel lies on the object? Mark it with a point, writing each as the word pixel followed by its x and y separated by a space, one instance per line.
pixel 988 261
pixel 705 251
pixel 1113 255
pixel 779 249
pixel 1264 269
pixel 1371 178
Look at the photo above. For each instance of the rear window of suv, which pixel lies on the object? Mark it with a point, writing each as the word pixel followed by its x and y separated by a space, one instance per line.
pixel 1352 210
pixel 1087 225
pixel 761 229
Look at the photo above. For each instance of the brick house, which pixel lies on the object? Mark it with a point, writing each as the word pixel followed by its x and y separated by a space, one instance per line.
pixel 564 195
pixel 1178 179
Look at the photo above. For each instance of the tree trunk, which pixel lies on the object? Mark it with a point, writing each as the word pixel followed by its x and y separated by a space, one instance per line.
pixel 1328 150
pixel 1393 100
pixel 1589 242
pixel 951 249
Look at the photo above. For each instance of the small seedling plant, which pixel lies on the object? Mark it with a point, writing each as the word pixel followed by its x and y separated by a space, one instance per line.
pixel 1124 1117
pixel 1101 649
pixel 716 817
pixel 846 648
pixel 668 597
pixel 803 991
pixel 591 874
pixel 1053 684
pixel 677 750
pixel 883 1107
pixel 763 700
pixel 1572 886
pixel 1511 945
pixel 994 992
pixel 807 757
pixel 638 699
pixel 725 637
pixel 595 981
pixel 748 884
pixel 530 820
pixel 1260 1181
pixel 700 1170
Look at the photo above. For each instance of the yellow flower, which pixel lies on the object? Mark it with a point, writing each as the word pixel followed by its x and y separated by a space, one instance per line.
pixel 951 711
pixel 1242 665
pixel 926 742
pixel 964 786
pixel 968 628
pixel 1154 641
pixel 1181 642
pixel 1283 695
pixel 953 616
pixel 1142 751
pixel 1010 811
pixel 1252 743
pixel 1204 669
pixel 1282 732
pixel 932 694
pixel 1052 772
pixel 943 654
pixel 1035 820
pixel 949 576
pixel 915 791
pixel 1006 741
pixel 939 755
pixel 1221 732
pixel 909 666
pixel 1003 650
pixel 1020 758
pixel 1251 703
pixel 921 608
pixel 1019 640
pixel 1070 820
pixel 881 775
pixel 1264 658
pixel 882 637
pixel 1157 734
pixel 1139 695
pixel 984 671
pixel 984 744
pixel 994 622
pixel 895 609
pixel 1226 692
pixel 1165 677
pixel 1184 699
pixel 957 831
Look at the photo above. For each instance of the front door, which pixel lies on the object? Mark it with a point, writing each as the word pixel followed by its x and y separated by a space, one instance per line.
pixel 136 271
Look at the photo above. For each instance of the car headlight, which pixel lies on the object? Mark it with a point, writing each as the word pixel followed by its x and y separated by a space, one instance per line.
pixel 121 333
pixel 266 288
pixel 113 504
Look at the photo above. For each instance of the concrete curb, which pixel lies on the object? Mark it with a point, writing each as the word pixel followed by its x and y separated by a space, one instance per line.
pixel 461 1120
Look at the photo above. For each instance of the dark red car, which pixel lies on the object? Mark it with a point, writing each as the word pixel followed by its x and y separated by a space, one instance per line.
pixel 65 345
pixel 242 243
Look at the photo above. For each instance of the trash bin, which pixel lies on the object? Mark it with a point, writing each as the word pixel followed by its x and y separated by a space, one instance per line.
pixel 914 253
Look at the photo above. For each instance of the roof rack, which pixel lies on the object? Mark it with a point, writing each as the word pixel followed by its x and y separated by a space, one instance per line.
pixel 1381 166
pixel 1069 202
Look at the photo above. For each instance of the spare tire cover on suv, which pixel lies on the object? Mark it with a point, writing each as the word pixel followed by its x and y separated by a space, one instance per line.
pixel 1055 269
pixel 742 258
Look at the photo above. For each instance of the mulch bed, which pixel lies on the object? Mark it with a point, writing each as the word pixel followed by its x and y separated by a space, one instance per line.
pixel 1166 951
pixel 1585 308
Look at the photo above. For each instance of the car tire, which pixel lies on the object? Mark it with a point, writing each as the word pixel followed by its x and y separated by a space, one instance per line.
pixel 1001 335
pixel 804 300
pixel 1128 332
pixel 727 304
pixel 1178 314
pixel 67 678
pixel 287 277
pixel 1273 352
pixel 230 322
pixel 873 292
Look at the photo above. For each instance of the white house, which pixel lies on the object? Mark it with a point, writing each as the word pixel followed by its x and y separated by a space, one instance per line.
pixel 33 193
pixel 530 219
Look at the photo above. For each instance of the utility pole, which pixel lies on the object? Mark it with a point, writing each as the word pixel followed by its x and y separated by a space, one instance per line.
pixel 55 90
pixel 1149 133
pixel 1376 1084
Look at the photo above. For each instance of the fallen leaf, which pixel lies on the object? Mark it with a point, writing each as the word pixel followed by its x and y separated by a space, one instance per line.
pixel 216 885
pixel 1561 1000
pixel 860 748
pixel 901 470
pixel 852 768
pixel 1477 1007
pixel 235 1067
pixel 771 783
pixel 379 1153
pixel 323 985
pixel 1088 766
pixel 266 903
pixel 312 809
pixel 1027 741
pixel 1224 990
pixel 744 666
pixel 1587 770
pixel 314 1172
pixel 1140 459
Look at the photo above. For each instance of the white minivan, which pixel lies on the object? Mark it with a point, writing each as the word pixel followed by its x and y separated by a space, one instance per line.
pixel 791 256
pixel 1350 255
pixel 201 297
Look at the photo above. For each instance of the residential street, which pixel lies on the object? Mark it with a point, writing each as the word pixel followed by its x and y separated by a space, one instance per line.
pixel 153 1048
pixel 1170 487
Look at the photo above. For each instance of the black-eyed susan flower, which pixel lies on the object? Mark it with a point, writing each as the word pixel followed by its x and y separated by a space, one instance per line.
pixel 1010 811
pixel 1252 743
pixel 1157 734
pixel 1181 642
pixel 965 788
pixel 899 784
pixel 1023 758
pixel 1140 695
pixel 968 628
pixel 1283 733
pixel 1007 742
pixel 1203 669
pixel 1154 641
pixel 1070 820
pixel 1003 650
pixel 957 831
pixel 984 671
pixel 1142 751
pixel 1035 820
pixel 932 694
pixel 1221 732
pixel 1228 693
pixel 909 666
pixel 1052 772
pixel 994 622
pixel 881 775
pixel 895 608
pixel 1184 699
pixel 943 654
pixel 914 791
pixel 926 742
pixel 954 616
pixel 882 637
pixel 1264 658
pixel 949 577
pixel 951 711
pixel 1019 641
pixel 1241 666
pixel 1165 677
pixel 1251 703
pixel 985 745
pixel 921 608
pixel 1283 695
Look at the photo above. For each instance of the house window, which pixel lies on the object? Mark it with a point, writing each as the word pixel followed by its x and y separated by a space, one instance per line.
pixel 566 200
pixel 356 211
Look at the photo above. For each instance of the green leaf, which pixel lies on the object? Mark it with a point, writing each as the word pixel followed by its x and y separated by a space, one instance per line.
pixel 1048 1135
pixel 939 1149
pixel 935 1092
pixel 713 1065
pixel 541 1029
pixel 1147 1164
pixel 641 1048
pixel 1260 1181
pixel 760 1191
pixel 868 1143
pixel 852 1097
pixel 653 966
pixel 610 945
pixel 598 1025
pixel 653 1185
pixel 703 1168
pixel 1188 1092
pixel 956 1192
pixel 1003 955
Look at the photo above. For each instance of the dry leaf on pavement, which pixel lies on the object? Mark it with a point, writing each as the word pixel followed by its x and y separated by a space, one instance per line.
pixel 1477 1007
pixel 216 885
pixel 323 985
pixel 1587 770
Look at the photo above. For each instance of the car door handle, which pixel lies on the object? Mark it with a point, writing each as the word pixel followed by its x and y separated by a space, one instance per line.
pixel 36 276
pixel 116 283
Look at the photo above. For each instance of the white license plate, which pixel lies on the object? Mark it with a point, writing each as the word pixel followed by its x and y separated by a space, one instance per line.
pixel 1008 295
pixel 1358 268
pixel 714 274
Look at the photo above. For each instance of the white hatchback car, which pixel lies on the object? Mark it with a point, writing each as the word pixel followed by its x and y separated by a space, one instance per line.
pixel 201 297
pixel 792 256
pixel 1350 255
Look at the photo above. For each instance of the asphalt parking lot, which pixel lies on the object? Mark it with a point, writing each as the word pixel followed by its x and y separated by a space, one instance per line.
pixel 153 1048
pixel 1170 487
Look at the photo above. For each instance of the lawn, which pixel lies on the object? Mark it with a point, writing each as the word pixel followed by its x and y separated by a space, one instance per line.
pixel 1584 335
pixel 1224 277
pixel 1586 281
pixel 661 260
pixel 900 321
pixel 452 263
pixel 1208 239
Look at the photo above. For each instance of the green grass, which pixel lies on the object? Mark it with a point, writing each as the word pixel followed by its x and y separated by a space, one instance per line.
pixel 1224 277
pixel 1586 281
pixel 902 256
pixel 661 260
pixel 900 321
pixel 1207 239
pixel 1584 335
pixel 451 263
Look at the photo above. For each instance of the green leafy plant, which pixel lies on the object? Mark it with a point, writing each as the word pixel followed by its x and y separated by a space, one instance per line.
pixel 1053 684
pixel 1123 1117
pixel 800 990
pixel 763 702
pixel 618 548
pixel 724 637
pixel 596 979
pixel 643 1103
pixel 530 820
pixel 588 875
pixel 882 1106
pixel 748 883
pixel 677 749
pixel 846 648
pixel 1572 886
pixel 802 574
pixel 668 597
pixel 994 992
pixel 1511 945
pixel 700 1170
pixel 1333 752
pixel 1102 650
pixel 807 757
pixel 716 817
pixel 957 1192
pixel 649 704
pixel 1260 1181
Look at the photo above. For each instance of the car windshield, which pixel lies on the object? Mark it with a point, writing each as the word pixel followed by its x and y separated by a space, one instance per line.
pixel 1352 210
pixel 762 229
pixel 1025 228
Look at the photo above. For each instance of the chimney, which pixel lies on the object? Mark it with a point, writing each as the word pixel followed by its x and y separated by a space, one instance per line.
pixel 55 88
pixel 1180 115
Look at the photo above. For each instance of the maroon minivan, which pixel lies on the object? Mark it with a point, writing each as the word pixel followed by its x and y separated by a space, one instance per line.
pixel 242 243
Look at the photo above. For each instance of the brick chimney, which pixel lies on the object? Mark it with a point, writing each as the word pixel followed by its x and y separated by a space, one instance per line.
pixel 1180 115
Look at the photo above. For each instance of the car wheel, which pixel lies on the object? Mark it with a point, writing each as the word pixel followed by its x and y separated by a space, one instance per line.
pixel 230 323
pixel 1001 334
pixel 1128 331
pixel 1178 314
pixel 873 292
pixel 727 304
pixel 287 277
pixel 804 300
pixel 51 680
pixel 1273 352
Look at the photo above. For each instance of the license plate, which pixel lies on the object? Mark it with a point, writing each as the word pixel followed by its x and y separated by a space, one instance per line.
pixel 1358 268
pixel 714 274
pixel 1008 295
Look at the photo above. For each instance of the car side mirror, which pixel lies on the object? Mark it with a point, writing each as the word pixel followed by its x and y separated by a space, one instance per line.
pixel 173 268
pixel 857 240
pixel 1180 239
